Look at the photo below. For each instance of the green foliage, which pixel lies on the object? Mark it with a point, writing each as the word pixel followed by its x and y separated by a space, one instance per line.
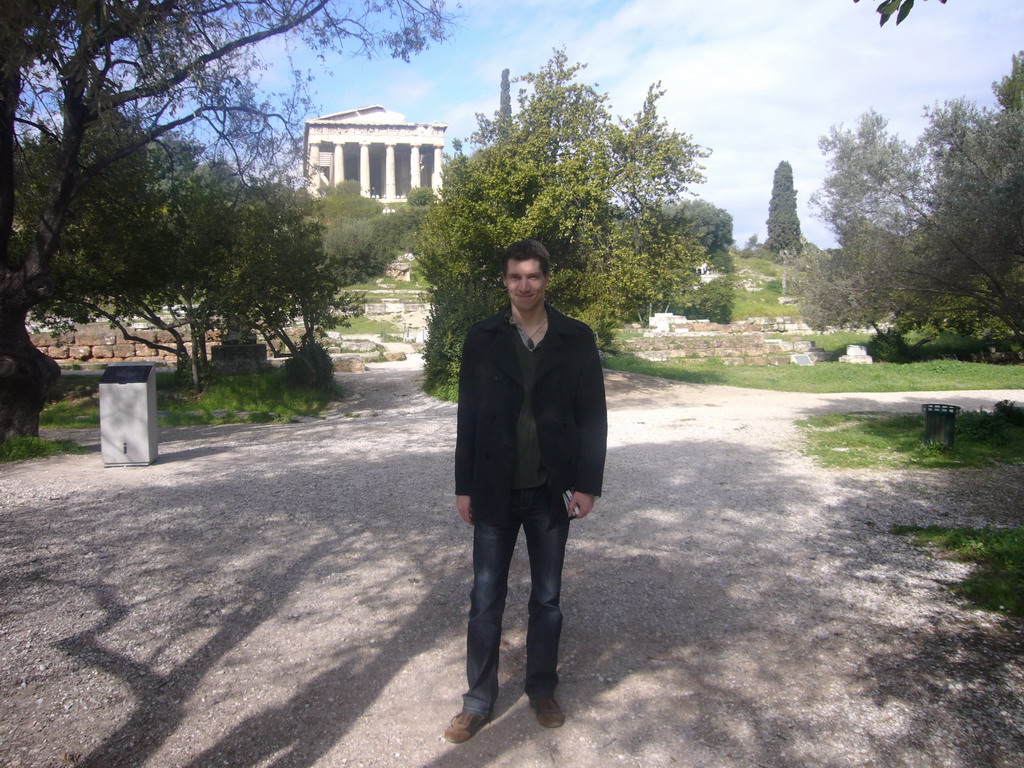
pixel 889 346
pixel 930 233
pixel 74 403
pixel 997 584
pixel 783 223
pixel 864 440
pixel 455 308
pixel 590 188
pixel 901 8
pixel 361 239
pixel 25 448
pixel 710 225
pixel 97 83
pixel 310 368
pixel 355 248
pixel 420 197
pixel 345 201
pixel 1010 90
pixel 713 300
pixel 505 101
pixel 935 375
pixel 1010 412
pixel 185 246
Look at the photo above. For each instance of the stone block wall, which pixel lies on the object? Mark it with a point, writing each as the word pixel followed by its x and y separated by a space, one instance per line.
pixel 98 343
pixel 684 345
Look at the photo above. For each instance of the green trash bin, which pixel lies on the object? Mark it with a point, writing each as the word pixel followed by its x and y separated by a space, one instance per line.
pixel 939 423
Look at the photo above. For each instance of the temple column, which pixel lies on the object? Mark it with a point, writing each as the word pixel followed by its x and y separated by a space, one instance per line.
pixel 312 167
pixel 435 181
pixel 389 171
pixel 414 166
pixel 338 174
pixel 364 169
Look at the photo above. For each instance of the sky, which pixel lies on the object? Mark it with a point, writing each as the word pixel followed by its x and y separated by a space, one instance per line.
pixel 754 81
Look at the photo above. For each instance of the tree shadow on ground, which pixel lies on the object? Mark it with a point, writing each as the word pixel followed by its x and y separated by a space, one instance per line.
pixel 721 609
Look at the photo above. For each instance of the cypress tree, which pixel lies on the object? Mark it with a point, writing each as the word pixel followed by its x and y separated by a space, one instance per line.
pixel 783 223
pixel 505 109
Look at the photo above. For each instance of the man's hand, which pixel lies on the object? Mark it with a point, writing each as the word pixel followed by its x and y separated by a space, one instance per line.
pixel 465 507
pixel 581 503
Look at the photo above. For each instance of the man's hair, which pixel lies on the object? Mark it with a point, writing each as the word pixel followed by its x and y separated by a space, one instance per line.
pixel 524 250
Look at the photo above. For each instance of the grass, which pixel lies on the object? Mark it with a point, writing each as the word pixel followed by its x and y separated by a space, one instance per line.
pixel 935 375
pixel 997 584
pixel 24 448
pixel 867 440
pixel 265 396
pixel 262 397
pixel 363 325
pixel 253 398
pixel 764 300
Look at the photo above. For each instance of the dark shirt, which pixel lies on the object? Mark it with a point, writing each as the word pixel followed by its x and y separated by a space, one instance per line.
pixel 529 471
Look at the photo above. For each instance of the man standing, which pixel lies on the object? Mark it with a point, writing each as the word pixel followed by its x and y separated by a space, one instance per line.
pixel 530 449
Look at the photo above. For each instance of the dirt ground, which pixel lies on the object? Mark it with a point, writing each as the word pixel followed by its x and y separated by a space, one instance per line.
pixel 295 595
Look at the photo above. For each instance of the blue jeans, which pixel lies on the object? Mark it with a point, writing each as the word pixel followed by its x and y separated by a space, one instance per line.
pixel 492 554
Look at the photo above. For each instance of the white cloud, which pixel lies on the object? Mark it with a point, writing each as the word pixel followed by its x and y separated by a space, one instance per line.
pixel 755 80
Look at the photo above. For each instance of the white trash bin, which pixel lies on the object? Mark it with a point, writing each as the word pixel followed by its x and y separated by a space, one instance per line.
pixel 128 415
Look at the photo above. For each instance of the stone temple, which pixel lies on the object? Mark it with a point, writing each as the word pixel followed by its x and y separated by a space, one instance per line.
pixel 380 149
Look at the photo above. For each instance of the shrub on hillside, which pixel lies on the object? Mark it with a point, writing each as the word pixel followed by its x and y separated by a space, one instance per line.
pixel 713 300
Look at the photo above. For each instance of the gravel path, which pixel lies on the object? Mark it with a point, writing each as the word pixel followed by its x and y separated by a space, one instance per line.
pixel 295 595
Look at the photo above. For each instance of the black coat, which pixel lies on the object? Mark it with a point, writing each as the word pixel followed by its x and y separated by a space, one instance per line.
pixel 568 407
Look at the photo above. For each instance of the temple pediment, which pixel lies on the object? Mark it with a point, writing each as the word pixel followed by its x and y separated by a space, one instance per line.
pixel 374 113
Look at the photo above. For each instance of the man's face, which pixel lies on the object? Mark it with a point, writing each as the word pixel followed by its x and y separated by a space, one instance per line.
pixel 525 282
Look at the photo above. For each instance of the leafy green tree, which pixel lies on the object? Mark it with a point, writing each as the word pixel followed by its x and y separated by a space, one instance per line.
pixel 590 187
pixel 1010 90
pixel 132 73
pixel 279 273
pixel 154 233
pixel 931 234
pixel 713 300
pixel 193 252
pixel 357 252
pixel 711 225
pixel 901 8
pixel 361 239
pixel 783 222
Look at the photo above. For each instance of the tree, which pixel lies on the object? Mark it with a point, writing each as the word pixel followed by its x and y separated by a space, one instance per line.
pixel 901 8
pixel 188 248
pixel 279 272
pixel 1010 90
pixel 931 234
pixel 134 72
pixel 589 187
pixel 505 108
pixel 783 223
pixel 710 225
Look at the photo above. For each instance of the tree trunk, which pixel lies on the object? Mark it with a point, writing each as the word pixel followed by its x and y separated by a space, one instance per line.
pixel 26 377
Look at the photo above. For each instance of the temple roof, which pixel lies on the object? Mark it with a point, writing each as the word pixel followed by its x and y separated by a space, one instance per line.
pixel 374 113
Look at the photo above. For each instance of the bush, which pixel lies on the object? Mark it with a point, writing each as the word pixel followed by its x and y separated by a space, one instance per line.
pixel 890 347
pixel 1009 411
pixel 310 369
pixel 455 308
pixel 982 427
pixel 714 300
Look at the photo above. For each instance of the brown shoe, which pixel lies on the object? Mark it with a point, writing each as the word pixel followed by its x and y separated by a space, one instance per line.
pixel 464 726
pixel 549 714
